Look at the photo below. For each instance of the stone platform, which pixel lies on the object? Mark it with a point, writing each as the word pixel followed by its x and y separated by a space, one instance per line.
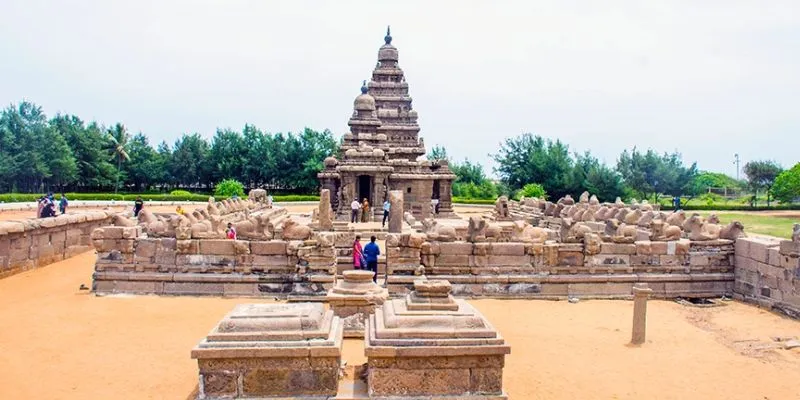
pixel 431 346
pixel 271 351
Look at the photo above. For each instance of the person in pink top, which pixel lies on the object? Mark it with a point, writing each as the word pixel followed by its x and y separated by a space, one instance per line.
pixel 358 254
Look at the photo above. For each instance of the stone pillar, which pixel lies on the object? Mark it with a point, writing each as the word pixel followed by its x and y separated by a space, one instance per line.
pixel 324 214
pixel 354 298
pixel 396 211
pixel 640 294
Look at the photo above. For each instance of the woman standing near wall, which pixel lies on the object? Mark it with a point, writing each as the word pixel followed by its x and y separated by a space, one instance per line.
pixel 358 254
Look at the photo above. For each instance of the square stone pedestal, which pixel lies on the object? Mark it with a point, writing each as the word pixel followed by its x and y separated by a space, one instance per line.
pixel 271 351
pixel 431 346
pixel 354 298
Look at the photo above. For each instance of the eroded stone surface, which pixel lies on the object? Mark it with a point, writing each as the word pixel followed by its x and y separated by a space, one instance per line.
pixel 429 344
pixel 271 350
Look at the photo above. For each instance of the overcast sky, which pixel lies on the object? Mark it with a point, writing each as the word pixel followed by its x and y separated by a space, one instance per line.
pixel 707 78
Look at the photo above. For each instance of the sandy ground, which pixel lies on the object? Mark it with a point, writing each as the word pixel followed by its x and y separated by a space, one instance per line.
pixel 61 343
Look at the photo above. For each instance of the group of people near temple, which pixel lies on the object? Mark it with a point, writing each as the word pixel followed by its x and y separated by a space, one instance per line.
pixel 360 211
pixel 46 205
pixel 366 257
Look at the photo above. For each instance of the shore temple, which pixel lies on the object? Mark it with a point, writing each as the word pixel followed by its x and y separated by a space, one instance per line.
pixel 382 151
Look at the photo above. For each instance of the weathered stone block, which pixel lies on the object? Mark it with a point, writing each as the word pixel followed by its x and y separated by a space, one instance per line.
pixel 455 248
pixel 446 259
pixel 571 258
pixel 146 247
pixel 618 248
pixel 217 246
pixel 507 249
pixel 274 247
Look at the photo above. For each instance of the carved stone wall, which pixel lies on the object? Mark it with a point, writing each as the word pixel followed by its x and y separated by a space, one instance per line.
pixel 768 273
pixel 34 243
pixel 560 270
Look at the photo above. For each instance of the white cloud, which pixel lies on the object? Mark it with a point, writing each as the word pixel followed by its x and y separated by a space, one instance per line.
pixel 707 78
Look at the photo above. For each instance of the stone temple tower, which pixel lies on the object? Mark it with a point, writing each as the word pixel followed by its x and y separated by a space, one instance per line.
pixel 383 150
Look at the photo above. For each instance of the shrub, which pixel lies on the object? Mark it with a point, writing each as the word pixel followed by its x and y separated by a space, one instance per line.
pixel 787 185
pixel 228 188
pixel 462 200
pixel 531 190
pixel 180 193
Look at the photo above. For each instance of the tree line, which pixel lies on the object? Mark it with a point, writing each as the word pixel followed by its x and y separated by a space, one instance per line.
pixel 64 153
pixel 528 164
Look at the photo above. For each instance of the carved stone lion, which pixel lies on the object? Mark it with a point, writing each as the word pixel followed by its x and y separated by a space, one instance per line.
pixel 700 230
pixel 476 231
pixel 732 231
pixel 442 233
pixel 524 232
pixel 294 231
pixel 662 231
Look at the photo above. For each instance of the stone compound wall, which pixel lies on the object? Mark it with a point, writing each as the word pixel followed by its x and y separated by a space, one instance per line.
pixel 768 274
pixel 127 262
pixel 28 244
pixel 559 270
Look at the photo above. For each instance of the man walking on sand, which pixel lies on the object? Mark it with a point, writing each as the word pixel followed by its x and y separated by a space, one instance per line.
pixel 372 251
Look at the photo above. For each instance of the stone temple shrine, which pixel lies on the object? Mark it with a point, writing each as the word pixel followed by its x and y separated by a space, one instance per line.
pixel 382 151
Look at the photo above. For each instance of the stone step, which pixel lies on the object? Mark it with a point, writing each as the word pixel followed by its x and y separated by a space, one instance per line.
pixel 351 387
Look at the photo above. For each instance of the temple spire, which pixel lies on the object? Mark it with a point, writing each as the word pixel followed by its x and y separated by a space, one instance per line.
pixel 388 37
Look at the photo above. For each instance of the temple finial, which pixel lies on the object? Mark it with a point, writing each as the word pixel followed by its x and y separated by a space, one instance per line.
pixel 364 88
pixel 388 37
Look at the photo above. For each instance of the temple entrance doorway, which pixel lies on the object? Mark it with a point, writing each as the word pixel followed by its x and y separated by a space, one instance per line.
pixel 435 193
pixel 365 188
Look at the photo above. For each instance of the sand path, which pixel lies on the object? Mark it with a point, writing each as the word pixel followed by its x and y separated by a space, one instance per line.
pixel 61 343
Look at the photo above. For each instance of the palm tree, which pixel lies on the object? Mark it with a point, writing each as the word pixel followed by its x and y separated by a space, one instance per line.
pixel 119 136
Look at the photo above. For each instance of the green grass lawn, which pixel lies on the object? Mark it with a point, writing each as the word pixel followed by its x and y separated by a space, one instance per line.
pixel 758 222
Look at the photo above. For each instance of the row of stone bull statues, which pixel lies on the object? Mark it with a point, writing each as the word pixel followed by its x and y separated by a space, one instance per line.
pixel 249 218
pixel 622 222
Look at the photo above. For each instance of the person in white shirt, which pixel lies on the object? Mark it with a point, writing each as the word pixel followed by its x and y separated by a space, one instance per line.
pixel 354 207
pixel 386 207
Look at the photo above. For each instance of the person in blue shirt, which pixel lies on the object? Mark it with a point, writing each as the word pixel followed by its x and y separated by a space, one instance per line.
pixel 63 203
pixel 372 251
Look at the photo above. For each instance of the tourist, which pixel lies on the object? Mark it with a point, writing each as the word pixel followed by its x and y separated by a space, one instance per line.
pixel 354 207
pixel 435 205
pixel 230 233
pixel 365 211
pixel 40 206
pixel 372 251
pixel 180 211
pixel 49 207
pixel 359 262
pixel 137 206
pixel 676 203
pixel 386 207
pixel 269 201
pixel 63 203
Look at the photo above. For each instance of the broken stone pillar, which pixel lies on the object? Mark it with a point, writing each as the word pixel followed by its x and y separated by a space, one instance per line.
pixel 271 350
pixel 325 212
pixel 430 345
pixel 640 295
pixel 354 298
pixel 396 211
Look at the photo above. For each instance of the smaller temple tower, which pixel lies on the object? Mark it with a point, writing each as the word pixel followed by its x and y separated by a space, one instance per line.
pixel 382 151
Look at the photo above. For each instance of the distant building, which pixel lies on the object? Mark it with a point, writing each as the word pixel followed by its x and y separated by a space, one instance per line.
pixel 381 151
